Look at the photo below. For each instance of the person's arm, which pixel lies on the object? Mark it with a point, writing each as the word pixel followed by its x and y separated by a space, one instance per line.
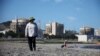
pixel 36 30
pixel 26 30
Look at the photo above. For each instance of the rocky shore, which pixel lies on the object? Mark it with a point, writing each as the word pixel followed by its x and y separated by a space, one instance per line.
pixel 21 49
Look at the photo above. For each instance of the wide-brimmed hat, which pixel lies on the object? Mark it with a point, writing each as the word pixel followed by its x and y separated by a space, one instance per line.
pixel 31 19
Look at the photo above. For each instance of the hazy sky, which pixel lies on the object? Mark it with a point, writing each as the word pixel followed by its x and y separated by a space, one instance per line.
pixel 72 13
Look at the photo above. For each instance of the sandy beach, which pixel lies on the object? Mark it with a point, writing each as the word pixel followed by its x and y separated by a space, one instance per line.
pixel 22 49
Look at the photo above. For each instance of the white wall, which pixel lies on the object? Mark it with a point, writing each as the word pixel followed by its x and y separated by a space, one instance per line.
pixel 82 38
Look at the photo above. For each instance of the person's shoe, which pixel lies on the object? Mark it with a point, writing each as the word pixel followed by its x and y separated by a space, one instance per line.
pixel 34 49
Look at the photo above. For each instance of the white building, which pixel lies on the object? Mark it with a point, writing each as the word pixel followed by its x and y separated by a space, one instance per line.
pixel 55 28
pixel 86 34
pixel 18 25
pixel 48 29
pixel 85 38
pixel 86 30
pixel 97 32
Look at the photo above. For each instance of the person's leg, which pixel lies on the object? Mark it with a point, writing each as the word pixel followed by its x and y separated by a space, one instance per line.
pixel 34 43
pixel 30 43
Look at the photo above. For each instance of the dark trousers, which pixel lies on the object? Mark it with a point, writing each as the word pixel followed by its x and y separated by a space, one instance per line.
pixel 32 43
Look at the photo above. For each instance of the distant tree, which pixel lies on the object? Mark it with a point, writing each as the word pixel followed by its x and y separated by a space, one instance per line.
pixel 1 34
pixel 21 35
pixel 11 33
pixel 52 36
pixel 70 34
pixel 46 36
pixel 67 35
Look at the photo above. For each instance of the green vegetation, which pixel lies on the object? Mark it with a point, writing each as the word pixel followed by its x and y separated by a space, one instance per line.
pixel 1 34
pixel 67 35
pixel 11 34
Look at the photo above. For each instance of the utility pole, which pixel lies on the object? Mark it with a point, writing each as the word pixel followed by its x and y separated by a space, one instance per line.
pixel 17 28
pixel 39 29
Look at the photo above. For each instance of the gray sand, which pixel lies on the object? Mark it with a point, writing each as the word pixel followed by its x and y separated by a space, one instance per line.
pixel 21 49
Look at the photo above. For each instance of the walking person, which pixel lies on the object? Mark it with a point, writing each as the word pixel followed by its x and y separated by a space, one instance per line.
pixel 31 32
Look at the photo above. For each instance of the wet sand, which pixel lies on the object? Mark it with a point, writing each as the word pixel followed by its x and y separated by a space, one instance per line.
pixel 22 49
